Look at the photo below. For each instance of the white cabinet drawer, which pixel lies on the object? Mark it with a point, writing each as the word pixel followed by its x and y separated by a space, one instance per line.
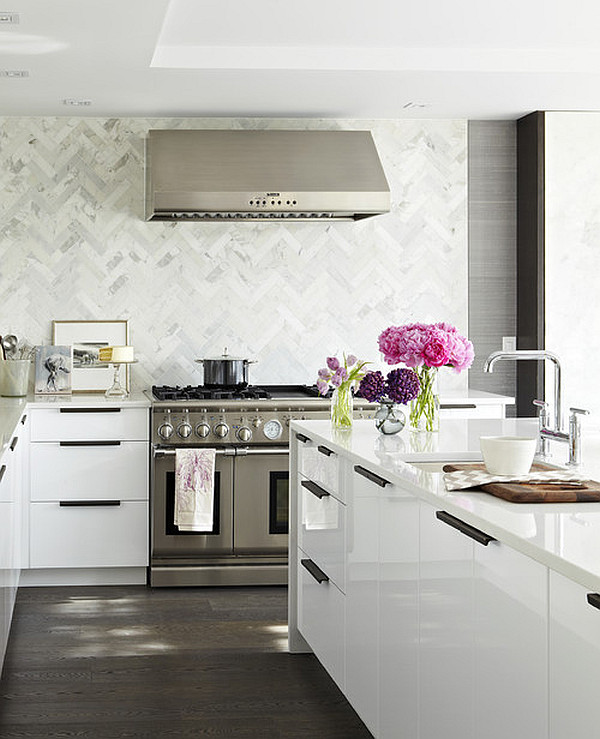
pixel 320 464
pixel 322 522
pixel 74 423
pixel 94 470
pixel 89 535
pixel 321 618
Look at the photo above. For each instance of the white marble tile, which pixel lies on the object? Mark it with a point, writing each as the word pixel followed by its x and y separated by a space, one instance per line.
pixel 73 245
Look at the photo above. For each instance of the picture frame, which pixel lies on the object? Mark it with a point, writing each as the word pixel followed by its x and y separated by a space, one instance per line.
pixel 53 370
pixel 89 375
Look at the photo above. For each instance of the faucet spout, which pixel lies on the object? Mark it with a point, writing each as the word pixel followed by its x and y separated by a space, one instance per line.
pixel 535 354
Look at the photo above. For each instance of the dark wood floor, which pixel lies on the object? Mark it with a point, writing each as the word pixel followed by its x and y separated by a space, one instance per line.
pixel 120 662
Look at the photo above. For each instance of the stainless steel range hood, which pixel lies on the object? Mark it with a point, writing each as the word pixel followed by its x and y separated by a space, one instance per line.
pixel 263 175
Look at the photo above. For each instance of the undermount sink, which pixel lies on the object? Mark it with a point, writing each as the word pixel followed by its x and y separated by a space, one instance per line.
pixel 431 466
pixel 438 465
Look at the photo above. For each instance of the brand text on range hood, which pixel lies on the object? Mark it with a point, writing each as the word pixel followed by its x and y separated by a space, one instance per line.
pixel 263 175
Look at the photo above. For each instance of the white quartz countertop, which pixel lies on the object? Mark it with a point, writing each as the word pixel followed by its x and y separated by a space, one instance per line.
pixel 11 409
pixel 458 397
pixel 562 536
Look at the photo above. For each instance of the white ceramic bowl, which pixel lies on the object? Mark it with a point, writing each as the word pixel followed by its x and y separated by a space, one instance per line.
pixel 508 455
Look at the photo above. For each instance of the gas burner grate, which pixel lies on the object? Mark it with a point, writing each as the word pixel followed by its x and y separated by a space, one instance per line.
pixel 200 392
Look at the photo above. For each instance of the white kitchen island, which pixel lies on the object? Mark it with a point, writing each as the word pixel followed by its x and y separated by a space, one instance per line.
pixel 442 614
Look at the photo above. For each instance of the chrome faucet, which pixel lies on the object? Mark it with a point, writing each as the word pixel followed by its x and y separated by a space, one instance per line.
pixel 573 437
pixel 534 354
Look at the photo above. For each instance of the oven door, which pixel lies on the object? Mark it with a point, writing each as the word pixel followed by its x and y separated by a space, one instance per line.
pixel 167 540
pixel 261 507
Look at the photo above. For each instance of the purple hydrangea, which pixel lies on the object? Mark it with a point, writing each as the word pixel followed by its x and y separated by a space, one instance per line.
pixel 372 386
pixel 402 385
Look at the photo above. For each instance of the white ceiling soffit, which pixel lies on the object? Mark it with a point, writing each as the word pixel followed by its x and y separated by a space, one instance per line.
pixel 318 58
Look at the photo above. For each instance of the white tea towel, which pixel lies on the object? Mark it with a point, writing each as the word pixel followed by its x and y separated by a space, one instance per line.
pixel 473 478
pixel 194 489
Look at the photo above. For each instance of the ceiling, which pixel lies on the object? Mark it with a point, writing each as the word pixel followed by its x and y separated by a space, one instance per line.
pixel 315 58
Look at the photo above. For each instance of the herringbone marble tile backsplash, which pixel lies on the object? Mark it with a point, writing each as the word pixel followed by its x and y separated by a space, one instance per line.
pixel 74 245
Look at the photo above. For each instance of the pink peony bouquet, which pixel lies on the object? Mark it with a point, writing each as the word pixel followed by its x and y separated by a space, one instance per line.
pixel 426 344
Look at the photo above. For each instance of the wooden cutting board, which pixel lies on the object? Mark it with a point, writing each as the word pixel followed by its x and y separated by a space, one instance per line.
pixel 586 492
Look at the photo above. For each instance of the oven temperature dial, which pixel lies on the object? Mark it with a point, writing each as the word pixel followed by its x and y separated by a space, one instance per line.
pixel 244 433
pixel 221 430
pixel 272 429
pixel 202 430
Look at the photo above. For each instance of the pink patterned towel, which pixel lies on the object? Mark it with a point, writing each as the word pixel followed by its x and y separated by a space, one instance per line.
pixel 194 489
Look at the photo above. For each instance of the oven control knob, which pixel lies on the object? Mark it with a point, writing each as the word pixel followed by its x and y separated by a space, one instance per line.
pixel 202 430
pixel 184 430
pixel 244 433
pixel 221 430
pixel 165 430
pixel 257 422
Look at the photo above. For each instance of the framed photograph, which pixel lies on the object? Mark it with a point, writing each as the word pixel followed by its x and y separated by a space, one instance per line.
pixel 89 375
pixel 53 370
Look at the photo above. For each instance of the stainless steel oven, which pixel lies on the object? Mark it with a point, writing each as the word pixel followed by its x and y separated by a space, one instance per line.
pixel 249 538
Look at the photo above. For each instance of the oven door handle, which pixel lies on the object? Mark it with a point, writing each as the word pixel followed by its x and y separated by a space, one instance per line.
pixel 246 451
pixel 228 452
pixel 171 452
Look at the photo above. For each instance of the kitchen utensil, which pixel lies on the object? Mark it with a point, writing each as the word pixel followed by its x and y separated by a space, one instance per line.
pixel 522 492
pixel 508 455
pixel 9 344
pixel 225 371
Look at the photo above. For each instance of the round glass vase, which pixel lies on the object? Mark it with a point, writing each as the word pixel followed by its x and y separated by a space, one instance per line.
pixel 342 407
pixel 425 409
pixel 389 418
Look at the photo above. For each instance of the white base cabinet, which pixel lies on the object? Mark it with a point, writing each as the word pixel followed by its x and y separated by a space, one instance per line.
pixel 511 644
pixel 442 631
pixel 446 640
pixel 398 641
pixel 13 476
pixel 574 660
pixel 89 487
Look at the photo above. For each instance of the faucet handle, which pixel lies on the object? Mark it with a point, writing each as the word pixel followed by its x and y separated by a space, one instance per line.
pixel 543 414
pixel 577 411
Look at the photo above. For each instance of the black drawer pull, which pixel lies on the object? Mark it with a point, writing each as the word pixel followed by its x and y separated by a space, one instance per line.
pixel 324 450
pixel 302 438
pixel 371 476
pixel 24 419
pixel 90 443
pixel 594 599
pixel 13 443
pixel 314 488
pixel 2 471
pixel 315 571
pixel 89 410
pixel 448 406
pixel 81 503
pixel 479 536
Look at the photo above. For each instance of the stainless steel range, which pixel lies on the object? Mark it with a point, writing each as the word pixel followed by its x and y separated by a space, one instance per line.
pixel 249 429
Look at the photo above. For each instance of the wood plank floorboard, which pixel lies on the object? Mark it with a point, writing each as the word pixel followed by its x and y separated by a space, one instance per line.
pixel 134 662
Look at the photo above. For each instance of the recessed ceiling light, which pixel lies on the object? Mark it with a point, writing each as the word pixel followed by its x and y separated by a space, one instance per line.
pixel 8 17
pixel 14 73
pixel 75 102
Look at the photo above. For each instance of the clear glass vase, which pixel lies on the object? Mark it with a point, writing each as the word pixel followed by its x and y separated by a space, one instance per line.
pixel 342 407
pixel 389 418
pixel 425 409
